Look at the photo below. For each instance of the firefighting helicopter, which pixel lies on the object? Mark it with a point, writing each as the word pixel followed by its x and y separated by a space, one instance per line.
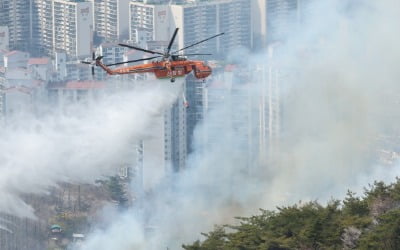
pixel 170 66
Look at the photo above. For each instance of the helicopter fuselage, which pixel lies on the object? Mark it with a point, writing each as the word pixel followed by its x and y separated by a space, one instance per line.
pixel 164 68
pixel 173 64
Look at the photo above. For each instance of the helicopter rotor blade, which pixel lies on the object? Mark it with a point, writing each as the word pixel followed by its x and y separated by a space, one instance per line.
pixel 220 34
pixel 194 55
pixel 86 62
pixel 172 40
pixel 131 61
pixel 140 49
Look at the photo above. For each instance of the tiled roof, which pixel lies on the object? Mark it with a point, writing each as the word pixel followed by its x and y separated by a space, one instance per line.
pixel 22 89
pixel 84 85
pixel 11 53
pixel 78 85
pixel 43 60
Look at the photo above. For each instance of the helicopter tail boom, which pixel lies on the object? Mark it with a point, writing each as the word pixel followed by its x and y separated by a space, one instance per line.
pixel 103 66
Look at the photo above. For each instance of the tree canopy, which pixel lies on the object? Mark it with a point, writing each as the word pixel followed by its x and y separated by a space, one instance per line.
pixel 368 222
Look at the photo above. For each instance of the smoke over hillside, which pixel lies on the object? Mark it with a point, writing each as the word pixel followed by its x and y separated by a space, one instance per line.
pixel 86 143
pixel 337 103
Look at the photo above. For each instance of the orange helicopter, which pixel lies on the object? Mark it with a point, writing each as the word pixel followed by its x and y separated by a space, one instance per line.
pixel 171 65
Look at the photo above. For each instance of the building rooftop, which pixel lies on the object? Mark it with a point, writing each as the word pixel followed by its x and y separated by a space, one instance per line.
pixel 22 89
pixel 43 60
pixel 78 85
pixel 84 85
pixel 11 53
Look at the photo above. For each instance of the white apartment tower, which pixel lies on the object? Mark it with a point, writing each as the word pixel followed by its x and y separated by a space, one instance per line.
pixel 73 27
pixel 64 26
pixel 149 22
pixel 44 26
pixel 111 18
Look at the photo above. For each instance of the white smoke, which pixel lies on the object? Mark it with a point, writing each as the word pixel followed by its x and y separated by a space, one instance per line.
pixel 342 101
pixel 339 101
pixel 80 146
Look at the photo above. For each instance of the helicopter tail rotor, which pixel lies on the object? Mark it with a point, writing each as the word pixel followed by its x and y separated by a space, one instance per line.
pixel 94 62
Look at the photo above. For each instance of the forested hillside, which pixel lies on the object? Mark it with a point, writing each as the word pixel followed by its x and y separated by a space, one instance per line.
pixel 370 221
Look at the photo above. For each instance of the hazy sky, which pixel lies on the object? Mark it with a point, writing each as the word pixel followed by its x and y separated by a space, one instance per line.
pixel 346 74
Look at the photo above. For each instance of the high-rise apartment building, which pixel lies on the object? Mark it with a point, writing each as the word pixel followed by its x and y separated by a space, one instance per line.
pixel 43 20
pixel 149 22
pixel 111 18
pixel 42 27
pixel 244 111
pixel 230 117
pixel 277 20
pixel 234 18
pixel 195 95
pixel 17 16
pixel 196 21
pixel 259 23
pixel 64 26
pixel 282 18
pixel 199 20
pixel 175 136
pixel 73 27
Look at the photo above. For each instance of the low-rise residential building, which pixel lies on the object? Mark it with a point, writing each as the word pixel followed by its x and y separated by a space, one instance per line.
pixel 62 94
pixel 40 68
pixel 15 59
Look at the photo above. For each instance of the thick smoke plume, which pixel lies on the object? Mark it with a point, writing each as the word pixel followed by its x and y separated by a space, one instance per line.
pixel 340 107
pixel 84 143
pixel 338 101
